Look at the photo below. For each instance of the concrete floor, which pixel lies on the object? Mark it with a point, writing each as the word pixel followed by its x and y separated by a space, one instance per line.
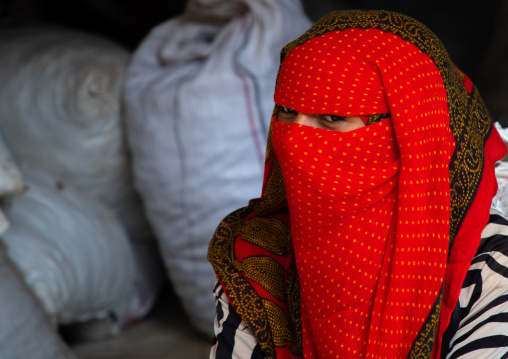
pixel 164 334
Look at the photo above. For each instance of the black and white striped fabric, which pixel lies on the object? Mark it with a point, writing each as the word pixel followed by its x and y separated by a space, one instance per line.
pixel 233 340
pixel 478 327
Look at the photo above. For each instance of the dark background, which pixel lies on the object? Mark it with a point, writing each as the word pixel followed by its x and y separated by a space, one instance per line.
pixel 467 29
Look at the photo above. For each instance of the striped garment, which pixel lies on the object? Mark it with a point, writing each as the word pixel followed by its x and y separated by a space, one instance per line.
pixel 233 340
pixel 478 327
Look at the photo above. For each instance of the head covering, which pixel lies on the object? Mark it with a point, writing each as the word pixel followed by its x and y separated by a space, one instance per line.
pixel 383 221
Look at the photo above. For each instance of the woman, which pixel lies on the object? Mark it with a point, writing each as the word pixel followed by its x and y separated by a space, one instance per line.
pixel 378 182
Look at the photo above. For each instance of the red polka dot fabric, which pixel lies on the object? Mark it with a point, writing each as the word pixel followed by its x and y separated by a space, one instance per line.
pixel 342 194
pixel 334 74
pixel 360 241
pixel 370 223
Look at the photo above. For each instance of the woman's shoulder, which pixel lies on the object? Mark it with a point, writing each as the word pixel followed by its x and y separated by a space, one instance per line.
pixel 494 234
pixel 478 325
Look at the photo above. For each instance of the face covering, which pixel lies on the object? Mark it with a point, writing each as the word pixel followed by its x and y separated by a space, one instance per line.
pixel 343 79
pixel 368 267
pixel 341 189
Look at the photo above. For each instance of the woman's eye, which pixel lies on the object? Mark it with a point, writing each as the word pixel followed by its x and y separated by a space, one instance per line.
pixel 288 110
pixel 333 118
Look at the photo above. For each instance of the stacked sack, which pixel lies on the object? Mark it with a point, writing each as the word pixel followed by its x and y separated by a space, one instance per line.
pixel 492 79
pixel 25 332
pixel 500 201
pixel 199 98
pixel 77 234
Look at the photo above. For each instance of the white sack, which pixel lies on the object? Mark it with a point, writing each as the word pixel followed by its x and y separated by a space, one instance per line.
pixel 11 182
pixel 59 107
pixel 60 112
pixel 72 251
pixel 500 201
pixel 199 97
pixel 26 332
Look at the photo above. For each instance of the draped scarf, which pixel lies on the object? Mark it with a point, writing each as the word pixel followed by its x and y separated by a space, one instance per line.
pixel 400 240
pixel 342 195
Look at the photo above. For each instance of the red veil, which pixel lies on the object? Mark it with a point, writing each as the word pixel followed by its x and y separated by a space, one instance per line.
pixel 379 270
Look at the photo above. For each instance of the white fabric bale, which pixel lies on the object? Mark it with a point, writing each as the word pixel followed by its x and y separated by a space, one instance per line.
pixel 500 200
pixel 503 132
pixel 199 97
pixel 60 111
pixel 11 181
pixel 73 252
pixel 25 331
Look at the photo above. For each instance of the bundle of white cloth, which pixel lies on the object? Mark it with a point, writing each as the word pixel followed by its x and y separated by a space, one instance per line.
pixel 78 244
pixel 500 201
